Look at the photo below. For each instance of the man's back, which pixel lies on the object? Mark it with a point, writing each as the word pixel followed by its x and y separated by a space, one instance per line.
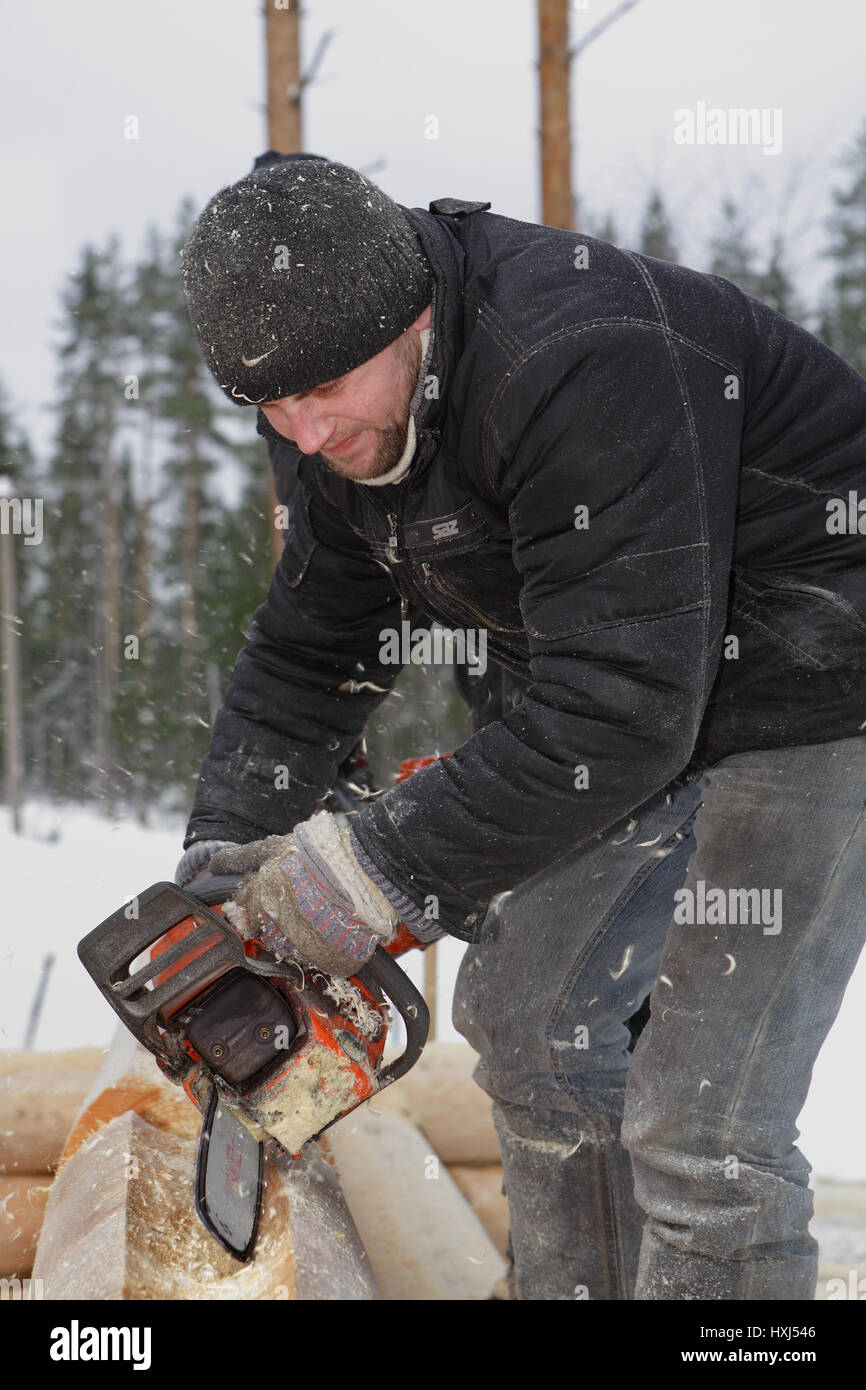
pixel 703 433
pixel 803 409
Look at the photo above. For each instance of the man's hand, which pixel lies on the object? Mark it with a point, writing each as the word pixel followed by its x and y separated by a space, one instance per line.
pixel 195 863
pixel 245 859
pixel 307 891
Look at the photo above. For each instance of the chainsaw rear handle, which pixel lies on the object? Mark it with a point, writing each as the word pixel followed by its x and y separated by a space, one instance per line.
pixel 381 972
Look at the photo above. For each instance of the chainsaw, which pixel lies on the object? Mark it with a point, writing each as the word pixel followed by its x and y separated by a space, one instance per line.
pixel 271 1052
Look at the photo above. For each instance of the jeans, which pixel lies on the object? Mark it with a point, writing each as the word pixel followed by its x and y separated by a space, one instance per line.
pixel 667 1168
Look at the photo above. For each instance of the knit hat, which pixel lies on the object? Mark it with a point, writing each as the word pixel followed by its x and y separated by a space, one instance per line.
pixel 298 273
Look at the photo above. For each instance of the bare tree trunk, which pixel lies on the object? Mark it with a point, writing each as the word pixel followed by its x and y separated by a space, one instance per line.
pixel 282 38
pixel 190 560
pixel 105 630
pixel 285 133
pixel 142 575
pixel 111 626
pixel 112 596
pixel 12 731
pixel 554 64
pixel 142 608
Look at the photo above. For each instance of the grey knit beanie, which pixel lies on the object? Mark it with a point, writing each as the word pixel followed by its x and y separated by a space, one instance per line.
pixel 298 273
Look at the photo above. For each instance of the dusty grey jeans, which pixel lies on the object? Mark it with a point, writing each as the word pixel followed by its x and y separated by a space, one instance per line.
pixel 671 1171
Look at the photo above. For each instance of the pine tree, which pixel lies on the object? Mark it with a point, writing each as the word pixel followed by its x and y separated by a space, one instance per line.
pixel 84 552
pixel 656 236
pixel 214 558
pixel 735 258
pixel 732 253
pixel 19 585
pixel 602 228
pixel 16 455
pixel 843 319
pixel 775 285
pixel 145 734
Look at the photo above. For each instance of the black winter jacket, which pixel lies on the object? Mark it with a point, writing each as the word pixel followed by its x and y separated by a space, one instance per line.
pixel 704 434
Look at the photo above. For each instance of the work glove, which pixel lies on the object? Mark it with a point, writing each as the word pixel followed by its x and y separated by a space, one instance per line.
pixel 195 863
pixel 306 895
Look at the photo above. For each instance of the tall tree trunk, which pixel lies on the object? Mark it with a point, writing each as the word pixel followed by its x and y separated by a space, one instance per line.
pixel 12 731
pixel 142 603
pixel 111 618
pixel 105 634
pixel 190 558
pixel 283 43
pixel 285 127
pixel 112 597
pixel 554 74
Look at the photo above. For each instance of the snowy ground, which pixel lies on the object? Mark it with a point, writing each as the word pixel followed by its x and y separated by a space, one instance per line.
pixel 72 868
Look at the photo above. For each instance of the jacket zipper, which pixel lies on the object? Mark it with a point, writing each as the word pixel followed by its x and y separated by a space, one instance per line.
pixel 392 538
pixel 391 552
pixel 436 582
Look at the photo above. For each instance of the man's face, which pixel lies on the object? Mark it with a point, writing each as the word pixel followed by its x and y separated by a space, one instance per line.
pixel 359 422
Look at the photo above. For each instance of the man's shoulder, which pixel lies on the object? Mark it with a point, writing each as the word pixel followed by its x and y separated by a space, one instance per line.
pixel 529 283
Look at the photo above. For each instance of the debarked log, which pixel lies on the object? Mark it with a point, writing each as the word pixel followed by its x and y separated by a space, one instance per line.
pixel 121 1222
pixel 22 1204
pixel 423 1239
pixel 482 1187
pixel 40 1095
pixel 441 1098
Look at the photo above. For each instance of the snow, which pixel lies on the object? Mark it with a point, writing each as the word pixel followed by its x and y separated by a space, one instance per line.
pixel 72 867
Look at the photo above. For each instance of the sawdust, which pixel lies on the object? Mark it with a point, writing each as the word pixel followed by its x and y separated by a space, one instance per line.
pixel 121 1223
pixel 626 962
pixel 311 1102
pixel 160 1103
pixel 368 1019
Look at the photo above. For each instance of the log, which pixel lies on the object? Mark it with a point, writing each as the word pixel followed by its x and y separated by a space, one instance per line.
pixel 121 1222
pixel 441 1098
pixel 22 1205
pixel 482 1188
pixel 423 1240
pixel 40 1095
pixel 130 1081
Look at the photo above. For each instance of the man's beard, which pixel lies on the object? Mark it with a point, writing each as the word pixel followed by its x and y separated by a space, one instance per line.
pixel 391 438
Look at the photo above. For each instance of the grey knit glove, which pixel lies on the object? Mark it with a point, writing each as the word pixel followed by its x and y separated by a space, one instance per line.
pixel 197 860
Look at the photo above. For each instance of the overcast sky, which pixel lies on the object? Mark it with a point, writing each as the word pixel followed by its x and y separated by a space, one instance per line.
pixel 192 71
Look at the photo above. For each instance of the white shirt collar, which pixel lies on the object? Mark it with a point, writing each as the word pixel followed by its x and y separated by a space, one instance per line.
pixel 401 467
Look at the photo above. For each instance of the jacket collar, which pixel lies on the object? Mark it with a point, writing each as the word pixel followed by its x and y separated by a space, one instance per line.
pixel 446 257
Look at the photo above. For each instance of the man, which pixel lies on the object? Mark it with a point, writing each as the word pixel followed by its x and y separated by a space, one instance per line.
pixel 632 477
